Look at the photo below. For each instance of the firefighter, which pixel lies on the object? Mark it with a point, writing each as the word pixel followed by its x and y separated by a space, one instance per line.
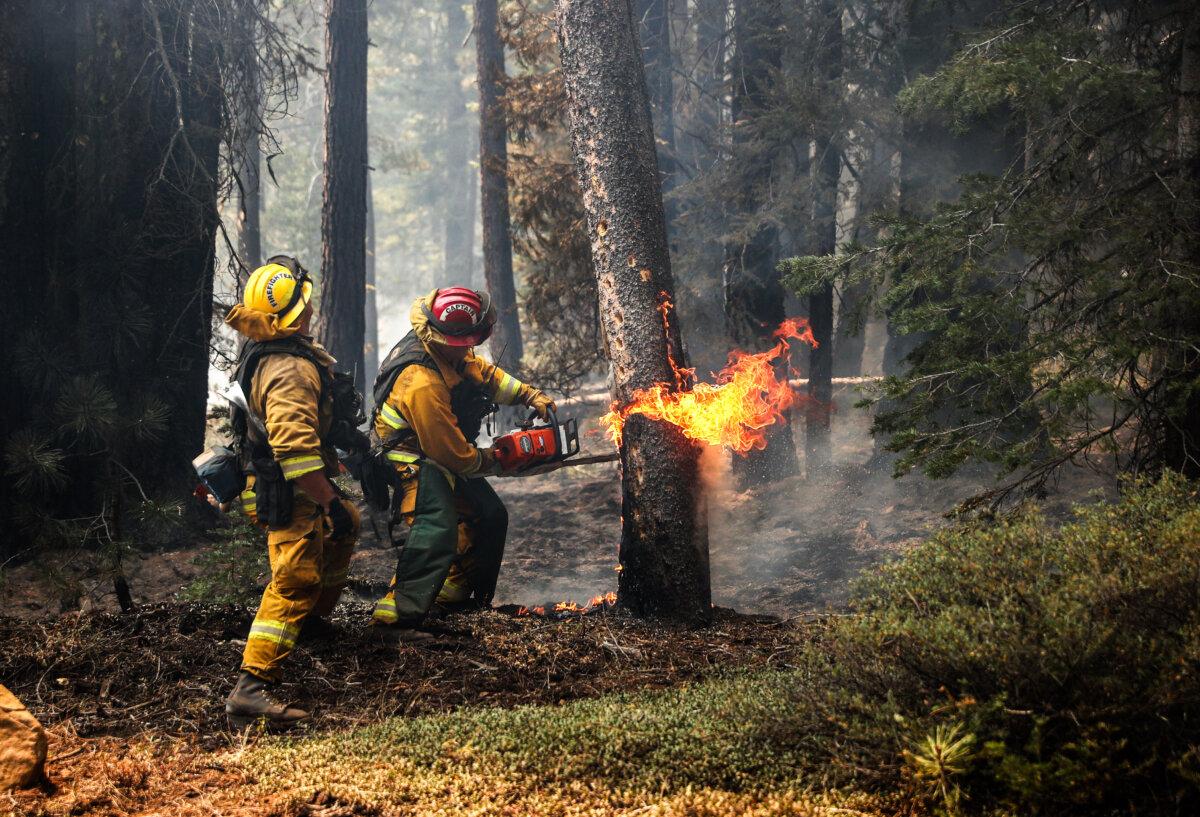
pixel 431 397
pixel 287 441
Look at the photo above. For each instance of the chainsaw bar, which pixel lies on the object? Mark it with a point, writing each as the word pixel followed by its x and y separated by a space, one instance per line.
pixel 554 466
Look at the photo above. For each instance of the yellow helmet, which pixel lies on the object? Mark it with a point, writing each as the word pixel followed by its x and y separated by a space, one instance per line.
pixel 279 287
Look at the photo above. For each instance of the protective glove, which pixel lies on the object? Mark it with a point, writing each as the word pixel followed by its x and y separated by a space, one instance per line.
pixel 542 404
pixel 340 522
pixel 489 466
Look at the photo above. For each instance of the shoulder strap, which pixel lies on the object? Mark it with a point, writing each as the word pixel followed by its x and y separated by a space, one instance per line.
pixel 252 355
pixel 404 354
pixel 408 352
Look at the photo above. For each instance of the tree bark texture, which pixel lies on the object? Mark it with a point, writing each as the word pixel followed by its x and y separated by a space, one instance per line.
pixel 249 226
pixel 827 170
pixel 664 539
pixel 754 295
pixel 493 161
pixel 342 325
pixel 654 25
pixel 456 266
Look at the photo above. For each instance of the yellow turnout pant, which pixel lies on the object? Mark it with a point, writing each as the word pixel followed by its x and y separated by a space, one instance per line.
pixel 308 572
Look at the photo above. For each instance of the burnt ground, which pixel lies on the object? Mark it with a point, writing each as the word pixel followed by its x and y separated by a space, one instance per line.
pixel 133 702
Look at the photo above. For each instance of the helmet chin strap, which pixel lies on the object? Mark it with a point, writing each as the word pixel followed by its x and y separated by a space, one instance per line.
pixel 298 272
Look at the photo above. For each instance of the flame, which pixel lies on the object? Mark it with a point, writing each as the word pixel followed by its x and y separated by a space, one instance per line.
pixel 734 411
pixel 564 608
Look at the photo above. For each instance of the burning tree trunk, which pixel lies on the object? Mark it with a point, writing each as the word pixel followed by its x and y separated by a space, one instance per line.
pixel 827 171
pixel 456 263
pixel 493 161
pixel 655 36
pixel 664 538
pixel 344 213
pixel 754 295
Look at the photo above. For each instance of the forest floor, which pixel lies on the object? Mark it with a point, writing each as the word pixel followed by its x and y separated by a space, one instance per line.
pixel 133 702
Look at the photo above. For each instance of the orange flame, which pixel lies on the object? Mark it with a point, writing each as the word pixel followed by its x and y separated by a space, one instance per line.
pixel 596 602
pixel 746 398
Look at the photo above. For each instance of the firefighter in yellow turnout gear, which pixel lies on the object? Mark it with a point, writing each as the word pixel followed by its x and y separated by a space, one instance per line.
pixel 311 532
pixel 432 394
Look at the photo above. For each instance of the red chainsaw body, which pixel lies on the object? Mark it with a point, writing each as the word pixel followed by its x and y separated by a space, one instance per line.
pixel 532 444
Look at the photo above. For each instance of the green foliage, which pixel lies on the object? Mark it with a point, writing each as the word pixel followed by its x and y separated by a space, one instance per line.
pixel 1045 302
pixel 33 464
pixel 1037 669
pixel 551 254
pixel 232 567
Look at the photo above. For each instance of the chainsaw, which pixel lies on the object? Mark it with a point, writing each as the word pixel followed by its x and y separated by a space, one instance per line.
pixel 533 444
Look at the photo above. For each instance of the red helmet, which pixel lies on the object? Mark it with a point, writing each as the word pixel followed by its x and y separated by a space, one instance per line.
pixel 462 316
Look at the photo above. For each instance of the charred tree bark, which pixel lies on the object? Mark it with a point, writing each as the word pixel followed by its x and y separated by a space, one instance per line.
pixel 827 171
pixel 754 294
pixel 342 326
pixel 664 538
pixel 456 264
pixel 655 35
pixel 493 162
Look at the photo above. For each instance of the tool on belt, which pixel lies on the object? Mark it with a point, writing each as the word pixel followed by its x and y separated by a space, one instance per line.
pixel 532 443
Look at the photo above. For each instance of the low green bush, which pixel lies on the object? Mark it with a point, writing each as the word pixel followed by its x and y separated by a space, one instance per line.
pixel 1004 668
pixel 1016 666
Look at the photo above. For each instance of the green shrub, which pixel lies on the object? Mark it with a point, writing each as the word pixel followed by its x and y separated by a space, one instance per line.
pixel 1059 666
pixel 234 568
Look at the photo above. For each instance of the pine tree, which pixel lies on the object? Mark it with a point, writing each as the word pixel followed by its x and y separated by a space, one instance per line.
pixel 1048 330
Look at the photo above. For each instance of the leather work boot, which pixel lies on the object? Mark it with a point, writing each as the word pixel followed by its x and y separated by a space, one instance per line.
pixel 251 701
pixel 399 634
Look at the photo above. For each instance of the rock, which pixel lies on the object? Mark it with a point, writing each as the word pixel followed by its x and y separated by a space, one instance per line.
pixel 22 744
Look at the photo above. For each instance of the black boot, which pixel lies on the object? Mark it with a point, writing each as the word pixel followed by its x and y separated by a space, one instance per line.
pixel 314 629
pixel 251 701
pixel 396 634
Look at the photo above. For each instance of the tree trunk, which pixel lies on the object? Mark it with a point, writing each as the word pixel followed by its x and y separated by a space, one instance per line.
pixel 456 265
pixel 493 162
pixel 664 538
pixel 655 36
pixel 344 211
pixel 754 295
pixel 1182 439
pixel 371 310
pixel 827 173
pixel 249 226
pixel 710 66
pixel 476 267
pixel 850 335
